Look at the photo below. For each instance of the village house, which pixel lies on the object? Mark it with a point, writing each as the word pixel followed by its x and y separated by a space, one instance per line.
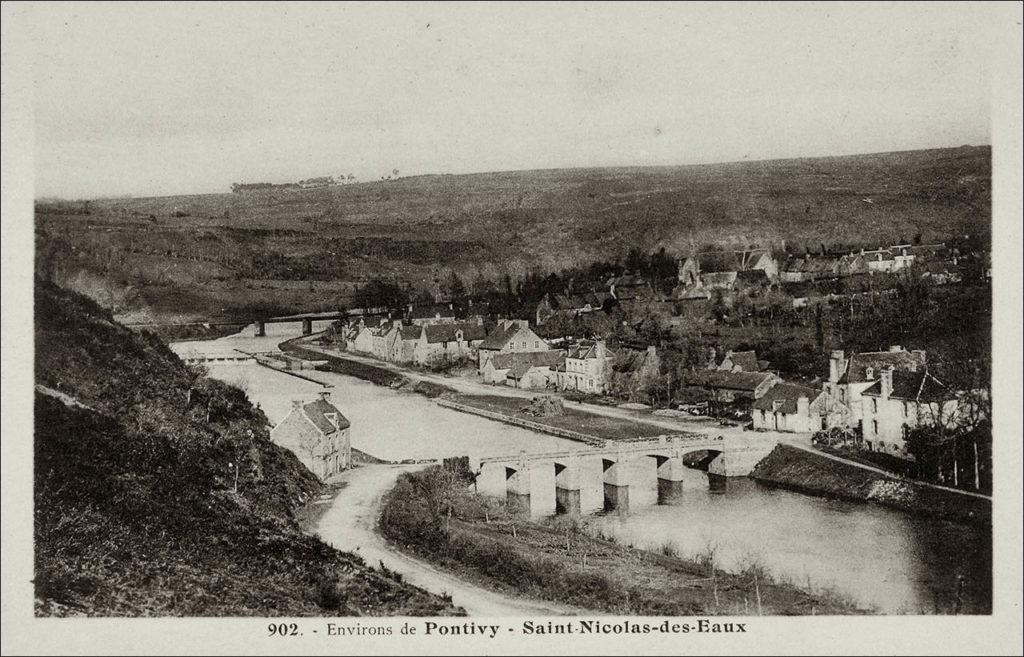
pixel 497 369
pixel 571 305
pixel 727 387
pixel 739 361
pixel 509 336
pixel 900 400
pixel 533 371
pixel 712 262
pixel 848 378
pixel 435 313
pixel 790 407
pixel 448 343
pixel 318 434
pixel 401 342
pixel 587 367
pixel 808 267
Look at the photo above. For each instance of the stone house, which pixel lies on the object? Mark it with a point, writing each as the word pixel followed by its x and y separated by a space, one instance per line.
pixel 509 336
pixel 435 313
pixel 848 378
pixel 726 387
pixel 496 369
pixel 790 407
pixel 318 434
pixel 534 371
pixel 587 367
pixel 571 305
pixel 693 267
pixel 901 400
pixel 439 343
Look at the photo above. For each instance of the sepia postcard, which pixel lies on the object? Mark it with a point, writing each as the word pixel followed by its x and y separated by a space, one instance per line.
pixel 512 328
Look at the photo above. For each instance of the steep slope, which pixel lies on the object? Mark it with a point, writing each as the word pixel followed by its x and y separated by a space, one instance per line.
pixel 158 492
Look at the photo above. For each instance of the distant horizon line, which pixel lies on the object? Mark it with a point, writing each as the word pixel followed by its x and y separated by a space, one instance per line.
pixel 113 197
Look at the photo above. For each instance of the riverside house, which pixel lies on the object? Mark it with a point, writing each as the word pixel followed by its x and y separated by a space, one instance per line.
pixel 848 378
pixel 318 434
pixel 448 343
pixel 587 367
pixel 790 407
pixel 509 336
pixel 899 401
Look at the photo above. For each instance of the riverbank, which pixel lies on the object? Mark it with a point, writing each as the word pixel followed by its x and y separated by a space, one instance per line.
pixel 432 514
pixel 806 472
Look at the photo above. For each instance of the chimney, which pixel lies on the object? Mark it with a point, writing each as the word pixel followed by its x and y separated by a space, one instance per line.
pixel 836 365
pixel 869 373
pixel 886 376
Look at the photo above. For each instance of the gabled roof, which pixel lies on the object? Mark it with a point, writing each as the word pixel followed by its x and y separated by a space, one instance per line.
pixel 741 381
pixel 548 358
pixel 431 310
pixel 856 369
pixel 500 336
pixel 914 386
pixel 411 332
pixel 448 332
pixel 787 394
pixel 317 412
pixel 585 349
pixel 745 360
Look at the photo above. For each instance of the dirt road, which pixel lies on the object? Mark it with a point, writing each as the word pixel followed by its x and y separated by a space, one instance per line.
pixel 350 525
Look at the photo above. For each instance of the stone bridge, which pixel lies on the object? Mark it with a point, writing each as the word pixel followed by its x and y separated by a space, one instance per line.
pixel 595 479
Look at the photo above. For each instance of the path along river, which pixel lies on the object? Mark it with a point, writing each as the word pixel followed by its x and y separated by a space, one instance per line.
pixel 887 559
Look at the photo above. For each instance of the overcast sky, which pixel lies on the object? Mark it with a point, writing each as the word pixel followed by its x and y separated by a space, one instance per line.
pixel 158 99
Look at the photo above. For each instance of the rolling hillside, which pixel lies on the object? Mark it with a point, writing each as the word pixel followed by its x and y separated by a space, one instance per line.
pixel 275 247
pixel 139 510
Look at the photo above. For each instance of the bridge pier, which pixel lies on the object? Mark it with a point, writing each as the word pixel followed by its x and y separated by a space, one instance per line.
pixel 517 482
pixel 567 487
pixel 307 326
pixel 616 484
pixel 670 478
pixel 261 329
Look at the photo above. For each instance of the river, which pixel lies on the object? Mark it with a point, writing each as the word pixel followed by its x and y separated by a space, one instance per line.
pixel 878 557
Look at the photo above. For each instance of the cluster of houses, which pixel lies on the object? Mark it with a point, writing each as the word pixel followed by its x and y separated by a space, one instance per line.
pixel 506 352
pixel 880 396
pixel 805 278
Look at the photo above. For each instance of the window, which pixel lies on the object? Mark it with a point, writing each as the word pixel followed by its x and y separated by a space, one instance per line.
pixel 906 409
pixel 763 417
pixel 874 405
pixel 874 429
pixel 536 344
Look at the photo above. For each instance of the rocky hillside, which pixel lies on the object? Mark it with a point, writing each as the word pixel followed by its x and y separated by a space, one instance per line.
pixel 158 491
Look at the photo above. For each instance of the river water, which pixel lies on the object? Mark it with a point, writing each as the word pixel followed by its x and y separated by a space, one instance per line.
pixel 886 559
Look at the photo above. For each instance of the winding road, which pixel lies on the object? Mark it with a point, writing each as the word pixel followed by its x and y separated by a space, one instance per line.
pixel 351 525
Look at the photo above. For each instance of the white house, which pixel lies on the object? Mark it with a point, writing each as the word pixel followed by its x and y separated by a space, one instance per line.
pixel 790 407
pixel 318 434
pixel 849 377
pixel 438 343
pixel 899 401
pixel 588 366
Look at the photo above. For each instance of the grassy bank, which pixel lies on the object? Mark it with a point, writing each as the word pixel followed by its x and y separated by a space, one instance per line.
pixel 433 514
pixel 599 426
pixel 157 491
pixel 800 470
pixel 378 375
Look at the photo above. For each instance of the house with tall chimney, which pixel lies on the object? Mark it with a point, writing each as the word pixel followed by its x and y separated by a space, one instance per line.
pixel 901 400
pixel 318 434
pixel 849 377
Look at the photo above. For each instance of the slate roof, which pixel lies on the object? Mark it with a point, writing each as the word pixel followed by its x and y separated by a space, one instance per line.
pixel 411 332
pixel 500 336
pixel 914 386
pixel 740 381
pixel 746 360
pixel 856 370
pixel 447 332
pixel 788 394
pixel 316 412
pixel 584 349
